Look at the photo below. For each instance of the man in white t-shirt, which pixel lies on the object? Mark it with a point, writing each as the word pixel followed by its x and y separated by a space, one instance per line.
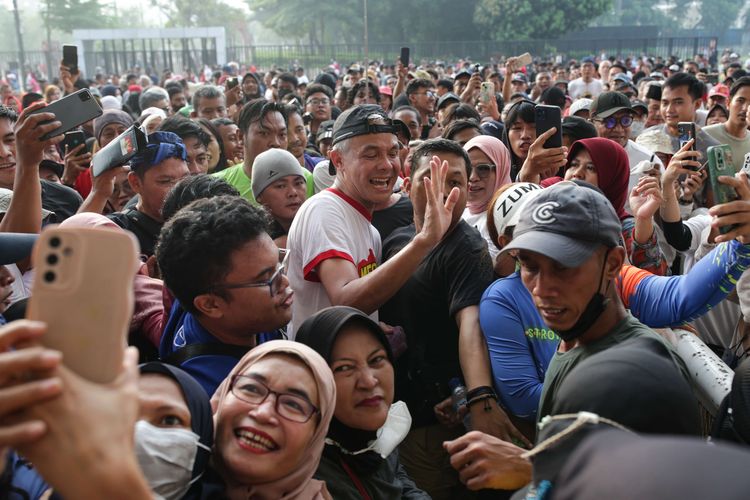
pixel 335 251
pixel 586 85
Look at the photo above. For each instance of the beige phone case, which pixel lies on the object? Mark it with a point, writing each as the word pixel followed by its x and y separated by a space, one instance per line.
pixel 83 290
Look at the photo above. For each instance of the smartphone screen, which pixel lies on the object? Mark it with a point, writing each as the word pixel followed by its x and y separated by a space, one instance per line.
pixel 70 58
pixel 686 131
pixel 73 140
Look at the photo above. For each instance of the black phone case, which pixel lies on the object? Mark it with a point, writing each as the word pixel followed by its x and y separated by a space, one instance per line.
pixel 119 151
pixel 546 118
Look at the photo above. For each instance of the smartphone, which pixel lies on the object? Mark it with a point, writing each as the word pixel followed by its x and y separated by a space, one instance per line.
pixel 685 132
pixel 72 140
pixel 523 60
pixel 547 117
pixel 746 164
pixel 404 56
pixel 232 83
pixel 486 92
pixel 70 58
pixel 720 163
pixel 72 110
pixel 83 291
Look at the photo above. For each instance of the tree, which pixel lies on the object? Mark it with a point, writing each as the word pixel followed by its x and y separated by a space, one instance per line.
pixel 67 15
pixel 318 21
pixel 529 19
pixel 715 15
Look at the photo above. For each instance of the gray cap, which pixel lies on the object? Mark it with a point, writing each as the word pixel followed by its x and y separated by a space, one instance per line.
pixel 567 222
pixel 272 165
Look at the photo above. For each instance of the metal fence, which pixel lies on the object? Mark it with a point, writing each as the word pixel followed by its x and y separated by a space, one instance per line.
pixel 121 55
pixel 313 58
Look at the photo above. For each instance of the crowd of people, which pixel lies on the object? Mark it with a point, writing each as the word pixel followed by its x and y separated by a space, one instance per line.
pixel 384 282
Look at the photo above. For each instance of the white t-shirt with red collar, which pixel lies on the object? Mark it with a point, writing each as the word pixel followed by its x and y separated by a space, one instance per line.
pixel 330 225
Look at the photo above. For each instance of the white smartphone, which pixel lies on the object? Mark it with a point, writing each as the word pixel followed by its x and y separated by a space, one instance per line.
pixel 523 60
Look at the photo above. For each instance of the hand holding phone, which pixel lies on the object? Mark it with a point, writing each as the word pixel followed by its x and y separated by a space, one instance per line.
pixel 71 111
pixel 33 125
pixel 685 132
pixel 486 92
pixel 720 164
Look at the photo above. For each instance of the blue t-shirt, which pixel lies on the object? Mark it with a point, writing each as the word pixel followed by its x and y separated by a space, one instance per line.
pixel 520 344
pixel 208 369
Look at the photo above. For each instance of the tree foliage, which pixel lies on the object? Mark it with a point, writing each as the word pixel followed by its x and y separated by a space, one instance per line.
pixel 67 15
pixel 529 19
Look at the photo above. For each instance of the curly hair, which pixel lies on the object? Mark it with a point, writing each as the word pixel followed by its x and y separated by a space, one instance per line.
pixel 196 245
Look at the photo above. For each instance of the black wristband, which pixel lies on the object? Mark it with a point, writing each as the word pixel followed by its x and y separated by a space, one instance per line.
pixel 479 391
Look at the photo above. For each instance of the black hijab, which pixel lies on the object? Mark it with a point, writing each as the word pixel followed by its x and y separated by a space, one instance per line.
pixel 319 332
pixel 201 419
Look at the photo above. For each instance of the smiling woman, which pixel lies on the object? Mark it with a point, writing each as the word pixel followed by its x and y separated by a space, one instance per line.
pixel 271 416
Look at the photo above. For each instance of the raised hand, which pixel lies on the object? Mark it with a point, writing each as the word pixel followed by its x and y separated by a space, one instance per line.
pixel 735 213
pixel 542 162
pixel 75 164
pixel 646 197
pixel 439 212
pixel 29 130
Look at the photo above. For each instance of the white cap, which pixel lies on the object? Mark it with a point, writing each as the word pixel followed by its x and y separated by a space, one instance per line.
pixel 111 102
pixel 580 105
pixel 507 209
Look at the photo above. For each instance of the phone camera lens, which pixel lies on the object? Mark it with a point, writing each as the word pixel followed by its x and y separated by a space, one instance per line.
pixel 49 276
pixel 54 242
pixel 85 96
pixel 52 259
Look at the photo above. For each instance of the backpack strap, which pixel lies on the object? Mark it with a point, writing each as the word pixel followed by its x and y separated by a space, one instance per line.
pixel 191 351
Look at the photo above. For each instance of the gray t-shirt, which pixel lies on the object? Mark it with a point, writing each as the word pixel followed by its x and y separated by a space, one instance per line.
pixel 740 147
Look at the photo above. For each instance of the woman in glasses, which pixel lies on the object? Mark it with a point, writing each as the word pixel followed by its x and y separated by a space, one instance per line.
pixel 271 415
pixel 490 170
pixel 604 163
pixel 360 460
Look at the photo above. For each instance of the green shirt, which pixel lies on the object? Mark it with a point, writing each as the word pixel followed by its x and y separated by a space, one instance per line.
pixel 236 176
pixel 739 147
pixel 563 362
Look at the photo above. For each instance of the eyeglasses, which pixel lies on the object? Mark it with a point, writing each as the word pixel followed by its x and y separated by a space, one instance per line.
pixel 317 102
pixel 483 170
pixel 274 283
pixel 428 93
pixel 289 406
pixel 611 122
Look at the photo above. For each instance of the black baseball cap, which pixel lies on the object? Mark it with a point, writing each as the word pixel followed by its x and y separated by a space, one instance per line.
pixel 363 119
pixel 578 128
pixel 608 103
pixel 567 222
pixel 325 130
pixel 446 99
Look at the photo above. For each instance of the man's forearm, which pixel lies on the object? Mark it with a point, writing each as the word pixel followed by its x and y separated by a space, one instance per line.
pixel 24 214
pixel 472 349
pixel 374 289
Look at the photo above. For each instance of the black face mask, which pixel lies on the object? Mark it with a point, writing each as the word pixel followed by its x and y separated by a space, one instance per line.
pixel 594 309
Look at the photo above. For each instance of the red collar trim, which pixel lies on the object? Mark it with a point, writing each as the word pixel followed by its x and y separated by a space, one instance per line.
pixel 354 203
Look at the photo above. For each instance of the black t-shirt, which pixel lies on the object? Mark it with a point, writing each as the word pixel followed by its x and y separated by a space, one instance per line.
pixel 398 215
pixel 61 200
pixel 452 277
pixel 141 225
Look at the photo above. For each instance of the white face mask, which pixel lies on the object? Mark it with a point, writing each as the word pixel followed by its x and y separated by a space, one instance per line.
pixel 166 457
pixel 394 430
pixel 636 128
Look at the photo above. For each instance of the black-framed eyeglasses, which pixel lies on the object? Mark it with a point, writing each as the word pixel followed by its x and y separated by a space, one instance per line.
pixel 483 170
pixel 289 406
pixel 317 102
pixel 611 122
pixel 274 283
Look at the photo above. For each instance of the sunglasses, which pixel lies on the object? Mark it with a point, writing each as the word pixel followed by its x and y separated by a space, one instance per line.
pixel 483 170
pixel 611 122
